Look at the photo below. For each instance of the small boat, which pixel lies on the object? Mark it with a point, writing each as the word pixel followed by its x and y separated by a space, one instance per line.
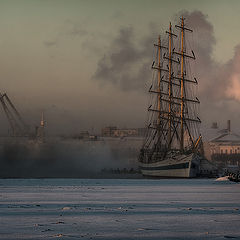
pixel 225 178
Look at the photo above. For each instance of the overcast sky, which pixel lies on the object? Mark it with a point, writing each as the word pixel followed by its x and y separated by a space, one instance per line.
pixel 52 55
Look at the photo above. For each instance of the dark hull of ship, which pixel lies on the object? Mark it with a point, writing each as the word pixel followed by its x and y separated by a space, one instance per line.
pixel 181 166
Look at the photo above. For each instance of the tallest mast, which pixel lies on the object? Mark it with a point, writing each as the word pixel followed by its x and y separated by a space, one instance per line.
pixel 170 86
pixel 185 101
pixel 159 82
pixel 182 82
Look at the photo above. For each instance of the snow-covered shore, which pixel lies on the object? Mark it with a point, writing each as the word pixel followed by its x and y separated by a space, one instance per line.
pixel 119 209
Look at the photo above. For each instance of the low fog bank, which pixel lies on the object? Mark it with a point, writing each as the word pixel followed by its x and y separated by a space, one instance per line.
pixel 63 159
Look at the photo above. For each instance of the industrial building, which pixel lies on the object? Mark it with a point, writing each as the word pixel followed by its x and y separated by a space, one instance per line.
pixel 113 131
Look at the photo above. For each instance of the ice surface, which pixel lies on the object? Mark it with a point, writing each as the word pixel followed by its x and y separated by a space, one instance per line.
pixel 119 209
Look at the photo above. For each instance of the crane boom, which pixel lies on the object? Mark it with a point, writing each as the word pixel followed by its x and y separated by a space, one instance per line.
pixel 17 125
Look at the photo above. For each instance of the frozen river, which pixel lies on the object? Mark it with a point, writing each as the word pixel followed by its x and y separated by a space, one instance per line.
pixel 119 209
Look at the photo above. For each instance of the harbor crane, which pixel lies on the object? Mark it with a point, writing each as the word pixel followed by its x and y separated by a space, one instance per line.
pixel 18 128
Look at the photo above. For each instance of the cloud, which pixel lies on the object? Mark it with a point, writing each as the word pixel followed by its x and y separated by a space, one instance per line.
pixel 77 31
pixel 117 14
pixel 217 81
pixel 70 29
pixel 50 43
pixel 74 28
pixel 127 62
pixel 125 65
pixel 233 76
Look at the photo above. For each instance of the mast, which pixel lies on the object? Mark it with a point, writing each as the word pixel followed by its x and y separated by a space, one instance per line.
pixel 184 99
pixel 159 84
pixel 182 82
pixel 172 111
pixel 170 85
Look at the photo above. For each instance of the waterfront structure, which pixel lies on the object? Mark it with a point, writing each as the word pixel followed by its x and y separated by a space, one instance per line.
pixel 108 131
pixel 125 132
pixel 223 148
pixel 113 131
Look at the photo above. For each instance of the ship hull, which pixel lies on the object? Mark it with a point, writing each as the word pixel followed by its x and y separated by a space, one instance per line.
pixel 183 166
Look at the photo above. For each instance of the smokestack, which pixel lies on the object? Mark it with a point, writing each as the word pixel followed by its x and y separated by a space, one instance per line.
pixel 229 126
pixel 42 123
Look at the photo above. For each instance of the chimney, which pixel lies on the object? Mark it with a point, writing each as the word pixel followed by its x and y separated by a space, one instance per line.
pixel 229 126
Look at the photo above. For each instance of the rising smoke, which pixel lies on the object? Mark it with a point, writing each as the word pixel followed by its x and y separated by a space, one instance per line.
pixel 128 67
pixel 125 65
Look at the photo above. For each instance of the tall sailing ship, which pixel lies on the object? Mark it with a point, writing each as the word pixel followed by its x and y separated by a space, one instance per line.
pixel 172 143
